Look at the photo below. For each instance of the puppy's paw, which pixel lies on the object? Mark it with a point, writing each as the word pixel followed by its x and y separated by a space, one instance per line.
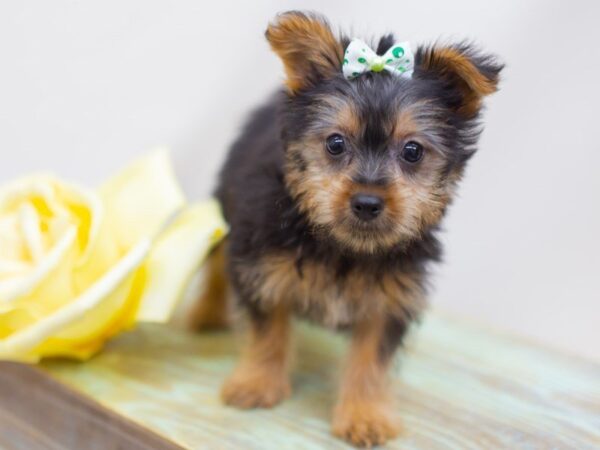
pixel 255 389
pixel 365 424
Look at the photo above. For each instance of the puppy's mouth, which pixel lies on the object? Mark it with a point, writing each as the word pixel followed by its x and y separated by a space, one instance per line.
pixel 365 235
pixel 366 229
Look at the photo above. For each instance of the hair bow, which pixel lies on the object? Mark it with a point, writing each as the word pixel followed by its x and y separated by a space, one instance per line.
pixel 360 58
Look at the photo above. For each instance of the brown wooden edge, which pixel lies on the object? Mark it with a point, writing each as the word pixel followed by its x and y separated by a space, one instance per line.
pixel 38 412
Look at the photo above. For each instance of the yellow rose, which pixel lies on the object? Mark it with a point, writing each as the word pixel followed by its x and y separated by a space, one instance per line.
pixel 78 266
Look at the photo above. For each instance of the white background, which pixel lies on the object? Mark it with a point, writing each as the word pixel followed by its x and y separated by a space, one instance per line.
pixel 87 85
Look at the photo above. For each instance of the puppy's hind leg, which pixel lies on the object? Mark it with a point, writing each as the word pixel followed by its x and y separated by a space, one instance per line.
pixel 209 310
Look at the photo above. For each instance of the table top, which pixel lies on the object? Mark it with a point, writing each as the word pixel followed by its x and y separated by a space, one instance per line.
pixel 457 385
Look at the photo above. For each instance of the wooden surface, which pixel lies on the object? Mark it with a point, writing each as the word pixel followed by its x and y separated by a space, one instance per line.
pixel 39 413
pixel 457 387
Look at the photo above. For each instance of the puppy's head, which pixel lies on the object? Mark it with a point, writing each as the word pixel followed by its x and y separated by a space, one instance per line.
pixel 373 160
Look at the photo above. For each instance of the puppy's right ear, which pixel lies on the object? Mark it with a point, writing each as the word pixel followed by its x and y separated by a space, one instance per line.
pixel 306 45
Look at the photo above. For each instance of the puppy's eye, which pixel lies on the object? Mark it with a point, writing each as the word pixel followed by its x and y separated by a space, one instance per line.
pixel 412 152
pixel 335 144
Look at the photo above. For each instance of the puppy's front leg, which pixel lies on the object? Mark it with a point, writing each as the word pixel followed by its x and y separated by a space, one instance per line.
pixel 261 379
pixel 364 413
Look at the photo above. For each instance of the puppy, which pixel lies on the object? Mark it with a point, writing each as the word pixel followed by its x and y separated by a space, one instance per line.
pixel 334 192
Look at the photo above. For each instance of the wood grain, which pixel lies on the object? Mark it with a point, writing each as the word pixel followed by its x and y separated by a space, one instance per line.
pixel 39 413
pixel 456 386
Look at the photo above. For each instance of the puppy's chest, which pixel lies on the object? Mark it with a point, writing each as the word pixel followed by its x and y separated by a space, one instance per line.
pixel 320 293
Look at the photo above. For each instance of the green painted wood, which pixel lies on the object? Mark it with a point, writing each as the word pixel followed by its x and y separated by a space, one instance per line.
pixel 457 387
pixel 38 412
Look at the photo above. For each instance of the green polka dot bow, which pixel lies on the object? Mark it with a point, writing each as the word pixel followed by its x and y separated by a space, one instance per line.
pixel 359 58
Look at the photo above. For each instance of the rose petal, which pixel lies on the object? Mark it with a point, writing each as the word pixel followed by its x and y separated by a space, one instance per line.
pixel 84 207
pixel 13 288
pixel 140 198
pixel 30 224
pixel 175 257
pixel 20 344
pixel 10 267
pixel 75 274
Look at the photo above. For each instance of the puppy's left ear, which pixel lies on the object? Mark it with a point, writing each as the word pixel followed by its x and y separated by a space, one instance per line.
pixel 306 45
pixel 466 74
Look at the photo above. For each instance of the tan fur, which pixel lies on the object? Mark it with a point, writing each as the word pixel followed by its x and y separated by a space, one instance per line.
pixel 339 115
pixel 341 260
pixel 261 378
pixel 315 291
pixel 364 413
pixel 405 125
pixel 323 193
pixel 211 310
pixel 306 45
pixel 449 61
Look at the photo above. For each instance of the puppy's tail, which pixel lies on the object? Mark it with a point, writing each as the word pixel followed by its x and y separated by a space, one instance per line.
pixel 208 307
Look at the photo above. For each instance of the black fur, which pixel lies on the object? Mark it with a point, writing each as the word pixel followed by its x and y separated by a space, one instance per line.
pixel 264 217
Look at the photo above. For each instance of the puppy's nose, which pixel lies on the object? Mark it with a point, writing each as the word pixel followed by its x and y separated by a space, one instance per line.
pixel 366 206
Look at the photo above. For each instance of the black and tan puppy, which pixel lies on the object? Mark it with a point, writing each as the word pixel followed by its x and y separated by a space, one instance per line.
pixel 334 193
